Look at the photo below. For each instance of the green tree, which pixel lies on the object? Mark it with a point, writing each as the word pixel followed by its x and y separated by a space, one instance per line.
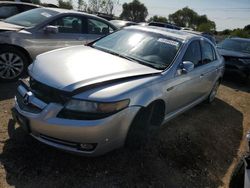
pixel 65 4
pixel 156 18
pixel 104 6
pixel 207 27
pixel 247 28
pixel 134 11
pixel 226 32
pixel 82 5
pixel 186 17
pixel 240 33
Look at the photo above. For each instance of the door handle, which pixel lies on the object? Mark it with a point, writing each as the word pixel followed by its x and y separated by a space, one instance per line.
pixel 171 88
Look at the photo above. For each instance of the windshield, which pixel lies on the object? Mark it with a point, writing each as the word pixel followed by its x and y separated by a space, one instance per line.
pixel 31 18
pixel 235 45
pixel 147 48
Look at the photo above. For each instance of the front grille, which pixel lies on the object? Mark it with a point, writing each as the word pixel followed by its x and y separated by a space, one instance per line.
pixel 46 93
pixel 26 107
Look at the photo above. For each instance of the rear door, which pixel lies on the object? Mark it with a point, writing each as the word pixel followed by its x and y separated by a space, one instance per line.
pixel 209 66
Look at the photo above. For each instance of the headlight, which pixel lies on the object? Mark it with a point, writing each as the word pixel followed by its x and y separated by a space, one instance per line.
pixel 96 107
pixel 87 110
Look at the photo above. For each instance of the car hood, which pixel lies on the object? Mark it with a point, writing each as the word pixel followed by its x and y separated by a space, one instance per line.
pixel 75 67
pixel 231 53
pixel 9 27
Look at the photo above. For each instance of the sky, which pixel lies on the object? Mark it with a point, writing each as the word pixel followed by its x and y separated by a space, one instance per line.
pixel 227 14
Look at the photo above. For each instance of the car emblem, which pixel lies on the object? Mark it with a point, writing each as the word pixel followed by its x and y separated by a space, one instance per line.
pixel 26 99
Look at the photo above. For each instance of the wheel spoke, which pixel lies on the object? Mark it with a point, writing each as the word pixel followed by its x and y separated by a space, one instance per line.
pixel 11 55
pixel 15 59
pixel 13 72
pixel 17 69
pixel 3 57
pixel 3 72
pixel 18 63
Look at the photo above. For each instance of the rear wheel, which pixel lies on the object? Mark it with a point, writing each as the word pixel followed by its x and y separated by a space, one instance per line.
pixel 145 125
pixel 13 64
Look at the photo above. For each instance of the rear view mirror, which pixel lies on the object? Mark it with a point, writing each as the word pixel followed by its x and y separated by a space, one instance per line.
pixel 186 66
pixel 50 29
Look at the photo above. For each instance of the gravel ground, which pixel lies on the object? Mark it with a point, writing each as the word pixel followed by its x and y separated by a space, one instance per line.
pixel 197 149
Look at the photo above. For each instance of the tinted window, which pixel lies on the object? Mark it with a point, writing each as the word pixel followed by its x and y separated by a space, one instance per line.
pixel 144 47
pixel 207 52
pixel 69 24
pixel 235 45
pixel 157 24
pixel 27 7
pixel 193 53
pixel 98 27
pixel 32 17
pixel 7 11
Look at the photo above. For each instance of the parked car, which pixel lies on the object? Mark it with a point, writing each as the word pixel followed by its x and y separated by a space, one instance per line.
pixel 24 36
pixel 122 23
pixel 241 174
pixel 166 25
pixel 236 52
pixel 204 34
pixel 85 99
pixel 8 8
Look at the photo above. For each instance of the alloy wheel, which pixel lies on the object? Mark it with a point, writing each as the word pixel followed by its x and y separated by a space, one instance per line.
pixel 11 65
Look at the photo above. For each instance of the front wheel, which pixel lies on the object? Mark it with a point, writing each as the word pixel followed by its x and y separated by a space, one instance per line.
pixel 145 125
pixel 13 64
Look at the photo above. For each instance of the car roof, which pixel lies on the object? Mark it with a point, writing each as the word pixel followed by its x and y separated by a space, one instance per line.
pixel 240 39
pixel 18 3
pixel 123 21
pixel 60 10
pixel 178 34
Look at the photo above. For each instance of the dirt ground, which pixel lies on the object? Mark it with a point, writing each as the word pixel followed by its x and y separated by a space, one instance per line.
pixel 197 149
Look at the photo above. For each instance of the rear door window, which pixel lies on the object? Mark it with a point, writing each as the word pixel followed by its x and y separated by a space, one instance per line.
pixel 70 24
pixel 208 53
pixel 98 27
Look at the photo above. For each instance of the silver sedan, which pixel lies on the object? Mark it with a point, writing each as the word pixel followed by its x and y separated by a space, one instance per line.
pixel 95 98
pixel 25 35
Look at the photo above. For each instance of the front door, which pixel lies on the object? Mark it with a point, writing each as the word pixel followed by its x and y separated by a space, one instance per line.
pixel 186 88
pixel 72 30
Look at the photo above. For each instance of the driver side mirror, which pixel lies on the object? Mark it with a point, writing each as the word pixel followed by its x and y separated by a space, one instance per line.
pixel 186 67
pixel 50 29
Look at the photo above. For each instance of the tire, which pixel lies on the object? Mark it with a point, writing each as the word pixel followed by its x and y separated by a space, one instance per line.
pixel 13 64
pixel 145 126
pixel 213 92
pixel 237 178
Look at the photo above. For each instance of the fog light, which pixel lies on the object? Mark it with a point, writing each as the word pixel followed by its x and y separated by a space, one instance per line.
pixel 87 147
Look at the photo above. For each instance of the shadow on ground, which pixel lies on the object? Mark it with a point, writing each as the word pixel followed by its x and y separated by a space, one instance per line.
pixel 7 90
pixel 237 83
pixel 193 150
